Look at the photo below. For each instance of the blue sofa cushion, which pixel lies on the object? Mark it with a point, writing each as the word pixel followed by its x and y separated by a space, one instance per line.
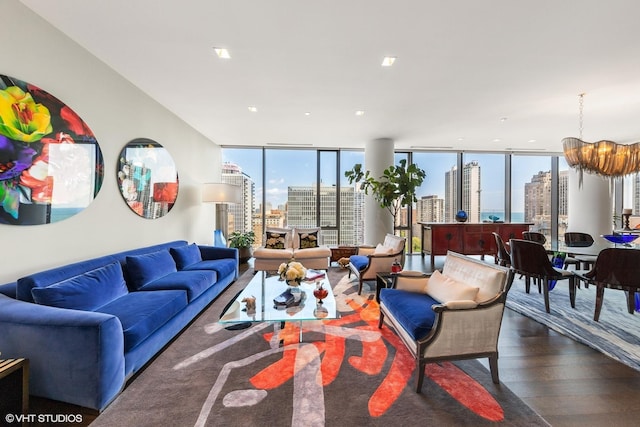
pixel 186 255
pixel 193 282
pixel 87 291
pixel 359 261
pixel 144 269
pixel 411 309
pixel 142 313
pixel 223 267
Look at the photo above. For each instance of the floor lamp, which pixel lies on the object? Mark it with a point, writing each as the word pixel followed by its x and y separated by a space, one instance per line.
pixel 222 194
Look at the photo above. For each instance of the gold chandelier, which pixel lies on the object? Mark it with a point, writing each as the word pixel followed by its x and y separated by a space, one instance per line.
pixel 605 158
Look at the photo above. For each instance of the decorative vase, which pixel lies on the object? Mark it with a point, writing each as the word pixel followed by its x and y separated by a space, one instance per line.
pixel 294 283
pixel 320 293
pixel 461 216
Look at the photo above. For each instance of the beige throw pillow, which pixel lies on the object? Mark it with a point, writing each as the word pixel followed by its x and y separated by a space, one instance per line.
pixel 446 289
pixel 382 250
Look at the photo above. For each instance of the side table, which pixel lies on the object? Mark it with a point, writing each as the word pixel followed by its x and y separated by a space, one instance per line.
pixel 14 386
pixel 384 280
pixel 338 252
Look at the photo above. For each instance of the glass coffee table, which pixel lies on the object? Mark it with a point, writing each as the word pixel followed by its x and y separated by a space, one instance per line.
pixel 264 288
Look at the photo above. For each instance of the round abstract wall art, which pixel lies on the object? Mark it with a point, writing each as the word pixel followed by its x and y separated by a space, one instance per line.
pixel 51 166
pixel 148 178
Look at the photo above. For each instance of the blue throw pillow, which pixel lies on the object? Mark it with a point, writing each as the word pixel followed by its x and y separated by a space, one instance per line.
pixel 87 291
pixel 186 255
pixel 144 269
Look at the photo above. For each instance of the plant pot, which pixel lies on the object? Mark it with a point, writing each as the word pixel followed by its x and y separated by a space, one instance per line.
pixel 244 254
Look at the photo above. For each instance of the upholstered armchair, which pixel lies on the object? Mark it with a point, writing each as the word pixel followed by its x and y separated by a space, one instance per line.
pixel 451 315
pixel 373 260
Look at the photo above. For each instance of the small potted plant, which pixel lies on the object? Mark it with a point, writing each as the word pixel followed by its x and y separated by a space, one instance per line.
pixel 243 241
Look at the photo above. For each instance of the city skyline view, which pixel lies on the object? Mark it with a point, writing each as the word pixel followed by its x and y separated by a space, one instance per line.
pixel 287 168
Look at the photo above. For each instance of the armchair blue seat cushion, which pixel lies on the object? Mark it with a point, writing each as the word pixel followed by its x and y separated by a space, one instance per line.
pixel 87 291
pixel 221 266
pixel 186 255
pixel 142 313
pixel 411 309
pixel 144 269
pixel 193 282
pixel 359 261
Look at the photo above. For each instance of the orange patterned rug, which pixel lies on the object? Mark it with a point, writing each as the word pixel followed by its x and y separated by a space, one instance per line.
pixel 345 372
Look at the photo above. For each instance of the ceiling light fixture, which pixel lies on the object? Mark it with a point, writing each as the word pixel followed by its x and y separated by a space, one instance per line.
pixel 222 53
pixel 388 61
pixel 307 113
pixel 252 108
pixel 605 158
pixel 360 113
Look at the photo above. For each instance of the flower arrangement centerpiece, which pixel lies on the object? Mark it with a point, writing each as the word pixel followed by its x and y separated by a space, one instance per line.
pixel 293 272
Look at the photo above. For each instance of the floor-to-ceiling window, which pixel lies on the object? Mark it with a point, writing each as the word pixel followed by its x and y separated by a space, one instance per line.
pixel 437 194
pixel 531 193
pixel 483 186
pixel 307 187
pixel 351 201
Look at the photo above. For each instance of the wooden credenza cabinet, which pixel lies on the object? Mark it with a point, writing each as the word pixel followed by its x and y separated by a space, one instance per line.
pixel 466 238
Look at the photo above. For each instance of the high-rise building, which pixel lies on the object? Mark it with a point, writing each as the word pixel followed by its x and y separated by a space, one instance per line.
pixel 537 202
pixel 302 211
pixel 471 189
pixel 430 209
pixel 240 215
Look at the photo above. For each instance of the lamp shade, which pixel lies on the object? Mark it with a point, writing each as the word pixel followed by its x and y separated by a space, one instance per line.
pixel 221 192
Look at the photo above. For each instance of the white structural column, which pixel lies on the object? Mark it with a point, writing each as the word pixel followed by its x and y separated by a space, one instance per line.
pixel 378 155
pixel 590 207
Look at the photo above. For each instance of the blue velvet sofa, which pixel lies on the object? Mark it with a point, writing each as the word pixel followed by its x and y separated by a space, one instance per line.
pixel 87 327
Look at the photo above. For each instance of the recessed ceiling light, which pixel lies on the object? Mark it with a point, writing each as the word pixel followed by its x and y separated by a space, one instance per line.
pixel 461 139
pixel 496 140
pixel 503 119
pixel 388 61
pixel 531 141
pixel 252 108
pixel 222 53
pixel 360 113
pixel 307 113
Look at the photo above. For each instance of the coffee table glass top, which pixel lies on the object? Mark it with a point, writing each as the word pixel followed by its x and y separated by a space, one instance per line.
pixel 265 288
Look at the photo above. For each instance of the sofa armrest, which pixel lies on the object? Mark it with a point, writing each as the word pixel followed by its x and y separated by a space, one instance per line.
pixel 460 304
pixel 366 250
pixel 9 289
pixel 215 252
pixel 463 331
pixel 74 356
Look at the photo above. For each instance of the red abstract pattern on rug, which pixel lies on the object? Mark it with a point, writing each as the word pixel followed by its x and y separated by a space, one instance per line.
pixel 449 377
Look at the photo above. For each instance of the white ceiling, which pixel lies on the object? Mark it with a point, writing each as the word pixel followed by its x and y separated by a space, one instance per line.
pixel 462 66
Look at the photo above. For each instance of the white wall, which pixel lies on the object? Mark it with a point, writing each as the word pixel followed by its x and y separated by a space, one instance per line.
pixel 117 112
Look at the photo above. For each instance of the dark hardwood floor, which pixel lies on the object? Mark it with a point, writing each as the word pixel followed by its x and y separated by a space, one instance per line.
pixel 567 383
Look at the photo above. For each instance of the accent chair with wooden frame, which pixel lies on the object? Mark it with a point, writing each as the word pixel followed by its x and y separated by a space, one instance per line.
pixel 373 260
pixel 453 315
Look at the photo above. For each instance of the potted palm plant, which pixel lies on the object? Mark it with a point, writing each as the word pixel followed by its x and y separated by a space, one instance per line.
pixel 243 241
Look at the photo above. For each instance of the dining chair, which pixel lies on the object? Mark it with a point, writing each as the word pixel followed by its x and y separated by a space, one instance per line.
pixel 575 239
pixel 531 260
pixel 503 257
pixel 536 236
pixel 615 268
